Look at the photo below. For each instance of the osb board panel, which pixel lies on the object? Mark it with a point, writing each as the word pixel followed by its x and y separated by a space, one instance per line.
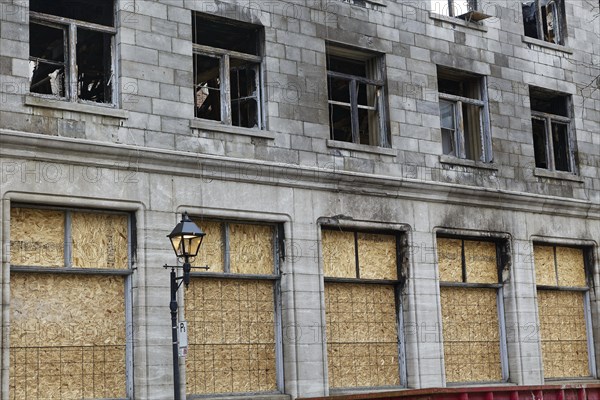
pixel 563 334
pixel 339 254
pixel 251 249
pixel 481 262
pixel 212 248
pixel 67 336
pixel 362 339
pixel 545 273
pixel 37 237
pixel 99 240
pixel 450 259
pixel 570 266
pixel 70 373
pixel 231 330
pixel 471 334
pixel 377 256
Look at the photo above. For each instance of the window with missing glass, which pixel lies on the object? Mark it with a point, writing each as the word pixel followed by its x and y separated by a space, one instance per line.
pixel 545 20
pixel 71 50
pixel 453 8
pixel 227 71
pixel 464 115
pixel 356 93
pixel 553 142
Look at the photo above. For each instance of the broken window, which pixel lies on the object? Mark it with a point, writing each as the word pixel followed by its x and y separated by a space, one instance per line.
pixel 356 97
pixel 551 126
pixel 464 117
pixel 227 71
pixel 471 296
pixel 544 20
pixel 464 9
pixel 71 50
pixel 362 280
pixel 563 299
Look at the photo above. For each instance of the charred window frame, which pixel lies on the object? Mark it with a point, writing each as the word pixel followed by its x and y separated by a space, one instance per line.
pixel 357 96
pixel 227 71
pixel 464 115
pixel 553 141
pixel 454 8
pixel 545 20
pixel 71 51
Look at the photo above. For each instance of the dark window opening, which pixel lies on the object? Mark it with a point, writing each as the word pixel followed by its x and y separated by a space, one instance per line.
pixel 227 71
pixel 82 38
pixel 356 93
pixel 551 130
pixel 544 20
pixel 463 121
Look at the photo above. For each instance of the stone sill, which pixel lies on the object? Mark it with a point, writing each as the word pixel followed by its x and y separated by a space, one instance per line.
pixel 235 130
pixel 548 45
pixel 468 163
pixel 64 105
pixel 560 175
pixel 363 148
pixel 458 21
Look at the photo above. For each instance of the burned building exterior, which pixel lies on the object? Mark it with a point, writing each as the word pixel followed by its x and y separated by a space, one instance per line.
pixel 396 195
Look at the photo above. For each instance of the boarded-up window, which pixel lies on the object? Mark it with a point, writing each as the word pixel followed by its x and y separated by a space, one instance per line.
pixel 361 317
pixel 562 293
pixel 67 330
pixel 232 321
pixel 469 289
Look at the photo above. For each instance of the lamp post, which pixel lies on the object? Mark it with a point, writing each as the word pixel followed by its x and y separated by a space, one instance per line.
pixel 186 239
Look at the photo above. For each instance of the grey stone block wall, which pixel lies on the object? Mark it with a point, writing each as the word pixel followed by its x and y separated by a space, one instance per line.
pixel 150 157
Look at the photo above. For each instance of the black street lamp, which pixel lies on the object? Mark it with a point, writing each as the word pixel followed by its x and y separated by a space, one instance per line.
pixel 186 239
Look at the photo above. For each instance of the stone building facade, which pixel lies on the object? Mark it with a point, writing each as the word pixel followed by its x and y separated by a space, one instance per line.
pixel 396 194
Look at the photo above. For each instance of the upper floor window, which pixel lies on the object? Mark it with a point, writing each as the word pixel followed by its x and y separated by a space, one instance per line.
pixel 356 93
pixel 464 115
pixel 551 126
pixel 454 8
pixel 545 20
pixel 227 69
pixel 71 50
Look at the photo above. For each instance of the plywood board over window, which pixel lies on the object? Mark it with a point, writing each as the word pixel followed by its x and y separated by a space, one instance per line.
pixel 469 291
pixel 68 330
pixel 231 311
pixel 562 294
pixel 361 272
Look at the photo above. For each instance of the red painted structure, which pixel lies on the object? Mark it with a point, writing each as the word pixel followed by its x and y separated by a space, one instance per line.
pixel 545 392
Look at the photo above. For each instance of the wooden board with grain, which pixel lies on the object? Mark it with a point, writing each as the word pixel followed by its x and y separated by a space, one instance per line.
pixel 362 341
pixel 450 259
pixel 212 249
pixel 67 336
pixel 251 249
pixel 563 334
pixel 471 335
pixel 231 331
pixel 570 266
pixel 37 237
pixel 99 240
pixel 545 271
pixel 339 254
pixel 481 262
pixel 377 257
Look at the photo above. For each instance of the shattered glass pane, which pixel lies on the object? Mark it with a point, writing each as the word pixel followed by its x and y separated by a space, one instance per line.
pixel 47 59
pixel 539 142
pixel 94 70
pixel 560 141
pixel 244 93
pixel 340 121
pixel 207 83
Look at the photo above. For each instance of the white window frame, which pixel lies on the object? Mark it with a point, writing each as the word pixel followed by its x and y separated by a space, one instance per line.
pixel 71 81
pixel 484 122
pixel 549 120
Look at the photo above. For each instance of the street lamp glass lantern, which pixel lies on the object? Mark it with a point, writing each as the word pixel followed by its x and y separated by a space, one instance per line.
pixel 186 238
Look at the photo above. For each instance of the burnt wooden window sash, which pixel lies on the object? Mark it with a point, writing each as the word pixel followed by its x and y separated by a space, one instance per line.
pixel 71 80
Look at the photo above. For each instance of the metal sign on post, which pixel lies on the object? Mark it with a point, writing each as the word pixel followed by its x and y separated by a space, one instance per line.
pixel 183 338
